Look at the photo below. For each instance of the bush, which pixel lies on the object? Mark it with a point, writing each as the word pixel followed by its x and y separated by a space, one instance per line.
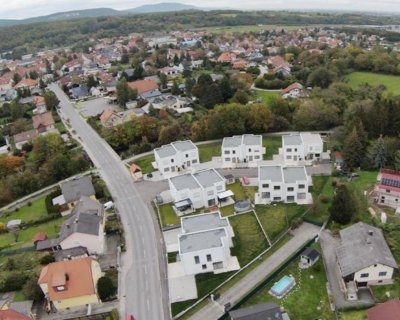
pixel 45 260
pixel 296 223
pixel 106 288
pixel 52 209
pixel 324 199
pixel 29 204
pixel 31 289
pixel 3 228
pixel 13 282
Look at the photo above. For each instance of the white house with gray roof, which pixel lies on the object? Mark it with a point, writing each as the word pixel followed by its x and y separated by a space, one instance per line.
pixel 204 244
pixel 364 258
pixel 283 184
pixel 301 148
pixel 201 189
pixel 175 157
pixel 242 151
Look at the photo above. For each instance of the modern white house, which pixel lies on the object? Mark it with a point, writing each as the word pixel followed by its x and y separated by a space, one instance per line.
pixel 202 189
pixel 364 259
pixel 175 157
pixel 387 189
pixel 204 244
pixel 242 151
pixel 301 148
pixel 283 184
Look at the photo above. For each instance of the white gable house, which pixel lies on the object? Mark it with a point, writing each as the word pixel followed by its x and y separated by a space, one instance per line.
pixel 204 244
pixel 301 148
pixel 202 189
pixel 242 151
pixel 286 184
pixel 175 157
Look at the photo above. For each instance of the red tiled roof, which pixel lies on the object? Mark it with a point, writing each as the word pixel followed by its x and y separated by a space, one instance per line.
pixel 293 86
pixel 27 83
pixel 226 57
pixel 134 168
pixel 143 86
pixel 44 119
pixel 10 314
pixel 389 310
pixel 40 236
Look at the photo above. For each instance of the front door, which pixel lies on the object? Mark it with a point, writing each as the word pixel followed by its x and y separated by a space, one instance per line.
pixel 362 284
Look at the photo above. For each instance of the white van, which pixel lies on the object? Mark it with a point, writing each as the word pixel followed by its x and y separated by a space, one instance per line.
pixel 108 205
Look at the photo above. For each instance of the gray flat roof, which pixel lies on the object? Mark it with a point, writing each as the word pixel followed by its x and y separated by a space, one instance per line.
pixel 293 174
pixel 291 140
pixel 230 142
pixel 361 249
pixel 184 145
pixel 252 140
pixel 73 190
pixel 263 311
pixel 165 151
pixel 311 138
pixel 273 173
pixel 185 181
pixel 203 222
pixel 201 240
pixel 208 178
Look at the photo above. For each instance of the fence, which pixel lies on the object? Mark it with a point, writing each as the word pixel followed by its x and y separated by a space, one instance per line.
pixel 16 251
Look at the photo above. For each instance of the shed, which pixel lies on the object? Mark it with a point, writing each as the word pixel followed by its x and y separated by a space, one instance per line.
pixel 308 258
pixel 229 178
pixel 136 172
pixel 40 236
pixel 14 224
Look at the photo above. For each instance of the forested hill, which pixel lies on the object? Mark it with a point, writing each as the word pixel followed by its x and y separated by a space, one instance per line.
pixel 35 37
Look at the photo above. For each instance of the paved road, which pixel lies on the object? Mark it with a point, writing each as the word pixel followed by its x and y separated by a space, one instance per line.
pixel 213 310
pixel 143 289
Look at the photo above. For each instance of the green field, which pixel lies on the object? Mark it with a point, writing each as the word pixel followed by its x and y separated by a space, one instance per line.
pixel 271 145
pixel 267 96
pixel 392 83
pixel 145 163
pixel 248 28
pixel 35 211
pixel 207 151
pixel 168 215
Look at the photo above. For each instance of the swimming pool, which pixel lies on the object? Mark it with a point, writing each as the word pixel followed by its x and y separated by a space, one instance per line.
pixel 282 287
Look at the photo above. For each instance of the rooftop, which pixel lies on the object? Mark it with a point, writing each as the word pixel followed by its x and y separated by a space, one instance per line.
pixel 44 119
pixel 165 151
pixel 263 311
pixel 246 139
pixel 203 222
pixel 184 181
pixel 75 188
pixel 389 310
pixel 291 140
pixel 362 246
pixel 208 178
pixel 294 174
pixel 184 145
pixel 272 173
pixel 201 240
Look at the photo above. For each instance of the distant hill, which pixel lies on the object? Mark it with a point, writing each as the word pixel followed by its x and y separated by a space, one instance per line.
pixel 162 7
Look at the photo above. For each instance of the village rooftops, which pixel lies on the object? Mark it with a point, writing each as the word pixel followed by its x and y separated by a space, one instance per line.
pixel 292 140
pixel 201 240
pixel 25 136
pixel 294 174
pixel 272 173
pixel 263 311
pixel 171 149
pixel 203 222
pixel 282 174
pixel 246 139
pixel 208 178
pixel 361 246
pixel 185 181
pixel 298 139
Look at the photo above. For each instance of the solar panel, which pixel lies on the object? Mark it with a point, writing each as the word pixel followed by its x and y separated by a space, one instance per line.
pixel 391 182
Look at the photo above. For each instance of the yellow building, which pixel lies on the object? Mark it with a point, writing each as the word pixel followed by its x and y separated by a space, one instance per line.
pixel 70 283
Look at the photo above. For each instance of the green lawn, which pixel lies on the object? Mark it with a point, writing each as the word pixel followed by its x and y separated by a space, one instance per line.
pixel 322 191
pixel 27 213
pixel 308 299
pixel 24 237
pixel 353 315
pixel 205 283
pixel 60 127
pixel 227 210
pixel 267 96
pixel 168 215
pixel 387 292
pixel 145 163
pixel 249 241
pixel 19 296
pixel 207 151
pixel 276 219
pixel 271 145
pixel 238 190
pixel 392 83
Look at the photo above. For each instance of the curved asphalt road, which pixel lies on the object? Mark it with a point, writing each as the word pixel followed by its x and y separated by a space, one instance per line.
pixel 143 286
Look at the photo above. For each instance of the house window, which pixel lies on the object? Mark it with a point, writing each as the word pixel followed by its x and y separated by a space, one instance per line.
pixel 265 185
pixel 295 150
pixel 166 169
pixel 233 152
pixel 204 266
pixel 277 187
pixel 172 160
pixel 290 189
pixel 277 198
pixel 187 156
pixel 301 186
pixel 209 258
pixel 227 159
pixel 265 195
pixel 256 157
pixel 194 161
pixel 288 150
pixel 60 288
pixel 288 157
pixel 219 188
pixel 227 152
pixel 196 259
pixel 382 274
pixel 249 149
pixel 364 275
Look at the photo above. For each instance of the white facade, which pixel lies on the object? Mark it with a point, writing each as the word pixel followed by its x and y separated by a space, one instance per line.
pixel 176 157
pixel 301 148
pixel 242 151
pixel 200 189
pixel 204 244
pixel 286 184
pixel 374 275
pixel 387 189
pixel 93 243
pixel 295 93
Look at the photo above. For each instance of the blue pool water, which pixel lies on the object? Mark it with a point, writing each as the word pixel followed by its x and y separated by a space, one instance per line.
pixel 282 286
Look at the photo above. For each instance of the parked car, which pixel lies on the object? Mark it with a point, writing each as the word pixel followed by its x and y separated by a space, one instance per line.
pixel 129 317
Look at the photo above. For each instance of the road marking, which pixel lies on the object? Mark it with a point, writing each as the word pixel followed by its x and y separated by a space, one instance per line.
pixel 144 253
pixel 143 240
pixel 145 270
pixel 148 304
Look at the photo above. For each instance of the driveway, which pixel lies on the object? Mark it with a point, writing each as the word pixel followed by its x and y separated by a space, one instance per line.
pixel 214 310
pixel 94 107
pixel 319 169
pixel 329 244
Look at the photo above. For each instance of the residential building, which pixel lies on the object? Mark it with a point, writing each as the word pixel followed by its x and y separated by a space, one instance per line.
pixel 203 189
pixel 10 314
pixel 390 310
pixel 70 283
pixel 387 189
pixel 73 190
pixel 364 258
pixel 176 156
pixel 263 311
pixel 295 90
pixel 301 148
pixel 27 83
pixel 24 137
pixel 109 118
pixel 308 257
pixel 283 184
pixel 145 88
pixel 242 151
pixel 279 65
pixel 204 244
pixel 43 122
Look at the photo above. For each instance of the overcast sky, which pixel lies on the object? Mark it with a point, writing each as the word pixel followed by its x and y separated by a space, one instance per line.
pixel 19 9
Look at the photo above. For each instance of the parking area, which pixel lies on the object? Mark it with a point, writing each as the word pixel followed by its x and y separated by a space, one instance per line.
pixel 94 107
pixel 182 287
pixel 171 239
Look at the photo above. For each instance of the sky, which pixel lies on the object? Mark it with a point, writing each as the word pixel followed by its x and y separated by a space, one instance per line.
pixel 20 9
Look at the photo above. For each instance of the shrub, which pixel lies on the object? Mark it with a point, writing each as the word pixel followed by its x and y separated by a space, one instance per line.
pixel 29 203
pixel 296 222
pixel 13 282
pixel 324 199
pixel 45 260
pixel 106 288
pixel 52 209
pixel 31 289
